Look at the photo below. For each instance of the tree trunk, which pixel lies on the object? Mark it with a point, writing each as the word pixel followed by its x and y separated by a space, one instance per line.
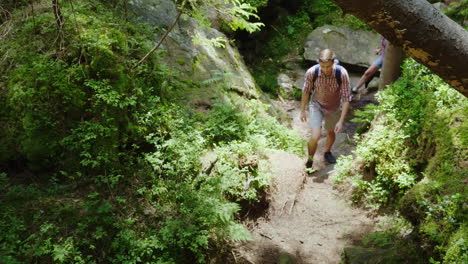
pixel 57 14
pixel 423 32
pixel 391 68
pixel 59 20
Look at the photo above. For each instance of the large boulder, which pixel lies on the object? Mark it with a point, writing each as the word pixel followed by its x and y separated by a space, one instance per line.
pixel 153 12
pixel 351 46
pixel 190 47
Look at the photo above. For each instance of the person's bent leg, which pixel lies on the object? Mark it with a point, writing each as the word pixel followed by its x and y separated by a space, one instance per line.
pixel 312 146
pixel 315 123
pixel 367 74
pixel 330 140
pixel 330 123
pixel 328 156
pixel 313 142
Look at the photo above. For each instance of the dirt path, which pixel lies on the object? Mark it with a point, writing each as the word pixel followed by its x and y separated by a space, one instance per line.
pixel 307 221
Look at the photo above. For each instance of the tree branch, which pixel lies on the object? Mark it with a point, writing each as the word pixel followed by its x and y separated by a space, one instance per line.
pixel 59 20
pixel 58 14
pixel 162 39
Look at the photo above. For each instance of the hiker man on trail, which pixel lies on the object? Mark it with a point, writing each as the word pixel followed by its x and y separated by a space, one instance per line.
pixel 327 84
pixel 372 70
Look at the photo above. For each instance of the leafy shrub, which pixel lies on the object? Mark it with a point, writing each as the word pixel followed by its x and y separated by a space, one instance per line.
pixel 409 97
pixel 238 171
pixel 103 166
pixel 225 124
pixel 416 134
pixel 12 4
pixel 267 133
pixel 383 152
pixel 256 3
pixel 458 11
pixel 364 117
pixel 457 249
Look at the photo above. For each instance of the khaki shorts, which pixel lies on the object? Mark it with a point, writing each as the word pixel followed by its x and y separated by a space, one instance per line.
pixel 316 117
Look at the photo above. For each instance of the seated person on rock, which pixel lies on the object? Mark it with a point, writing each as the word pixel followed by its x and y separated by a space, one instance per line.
pixel 327 86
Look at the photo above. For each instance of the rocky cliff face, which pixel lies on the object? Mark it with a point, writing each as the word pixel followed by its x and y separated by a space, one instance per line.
pixel 190 46
pixel 201 52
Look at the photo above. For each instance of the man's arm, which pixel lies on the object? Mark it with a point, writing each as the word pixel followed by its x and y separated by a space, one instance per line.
pixel 345 99
pixel 344 111
pixel 306 94
pixel 304 100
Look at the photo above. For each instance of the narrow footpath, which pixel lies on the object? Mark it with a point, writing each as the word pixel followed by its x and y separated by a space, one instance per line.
pixel 308 221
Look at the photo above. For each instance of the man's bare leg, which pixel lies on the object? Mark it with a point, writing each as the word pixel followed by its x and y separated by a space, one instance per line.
pixel 330 140
pixel 313 142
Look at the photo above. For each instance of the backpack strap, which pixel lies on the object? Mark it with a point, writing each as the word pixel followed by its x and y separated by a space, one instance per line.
pixel 316 72
pixel 337 75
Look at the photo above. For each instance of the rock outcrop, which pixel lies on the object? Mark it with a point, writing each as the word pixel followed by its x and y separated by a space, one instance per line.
pixel 351 46
pixel 199 52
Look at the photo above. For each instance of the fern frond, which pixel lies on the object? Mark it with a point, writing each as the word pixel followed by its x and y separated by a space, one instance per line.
pixel 238 232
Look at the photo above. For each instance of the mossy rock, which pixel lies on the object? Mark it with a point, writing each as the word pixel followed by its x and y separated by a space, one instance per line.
pixel 285 258
pixel 360 255
pixel 410 206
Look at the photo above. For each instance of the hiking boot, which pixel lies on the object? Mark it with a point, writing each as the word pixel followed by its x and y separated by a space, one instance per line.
pixel 309 170
pixel 329 157
pixel 354 90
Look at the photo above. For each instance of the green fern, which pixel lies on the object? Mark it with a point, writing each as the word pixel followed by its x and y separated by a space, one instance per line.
pixel 241 13
pixel 238 232
pixel 365 115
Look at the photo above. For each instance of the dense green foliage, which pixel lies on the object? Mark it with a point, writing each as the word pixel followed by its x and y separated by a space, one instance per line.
pixel 386 245
pixel 256 3
pixel 414 158
pixel 100 165
pixel 458 11
pixel 237 14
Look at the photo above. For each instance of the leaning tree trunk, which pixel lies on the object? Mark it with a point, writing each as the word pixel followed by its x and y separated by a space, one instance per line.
pixel 391 68
pixel 423 32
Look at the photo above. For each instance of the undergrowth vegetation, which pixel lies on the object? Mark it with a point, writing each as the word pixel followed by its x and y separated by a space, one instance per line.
pixel 413 159
pixel 458 12
pixel 99 165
